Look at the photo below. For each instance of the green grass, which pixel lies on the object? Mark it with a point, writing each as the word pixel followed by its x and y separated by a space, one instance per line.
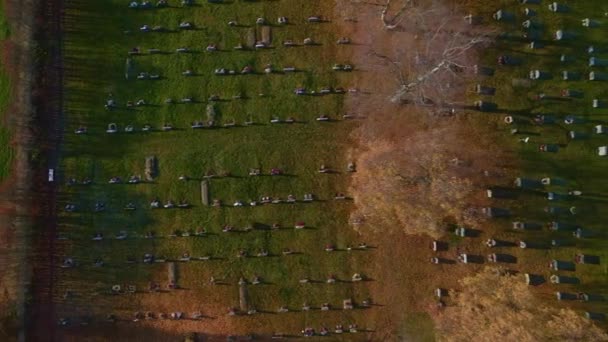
pixel 96 49
pixel 577 162
pixel 6 152
pixel 4 29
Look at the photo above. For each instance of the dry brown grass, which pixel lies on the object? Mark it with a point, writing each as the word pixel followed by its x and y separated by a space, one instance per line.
pixel 501 307
pixel 417 170
pixel 415 173
pixel 422 179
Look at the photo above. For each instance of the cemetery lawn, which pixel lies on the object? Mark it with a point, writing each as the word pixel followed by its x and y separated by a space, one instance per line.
pixel 576 166
pixel 95 54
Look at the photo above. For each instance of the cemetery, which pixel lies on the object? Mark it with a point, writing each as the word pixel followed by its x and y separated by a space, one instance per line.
pixel 555 219
pixel 237 170
pixel 215 181
pixel 198 189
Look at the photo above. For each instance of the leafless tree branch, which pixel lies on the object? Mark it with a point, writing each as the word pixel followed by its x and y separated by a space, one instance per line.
pixel 395 21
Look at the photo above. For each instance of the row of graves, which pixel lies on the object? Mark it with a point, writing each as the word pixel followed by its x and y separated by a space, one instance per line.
pixel 562 201
pixel 206 200
pixel 104 244
pixel 244 308
pixel 209 118
pixel 579 127
pixel 504 252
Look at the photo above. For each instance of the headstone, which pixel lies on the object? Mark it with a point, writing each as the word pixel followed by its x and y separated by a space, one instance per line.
pixel 600 129
pixel 559 279
pixel 502 15
pixel 484 106
pixel 128 68
pixel 563 35
pixel 599 62
pixel 597 76
pixel 587 259
pixel 589 23
pixel 566 296
pixel 597 103
pixel 243 297
pixel 151 168
pixel 205 192
pixel 534 279
pixel 439 292
pixel 559 265
pixel 172 272
pixel 596 316
pixel 472 19
pixel 557 7
pixel 496 212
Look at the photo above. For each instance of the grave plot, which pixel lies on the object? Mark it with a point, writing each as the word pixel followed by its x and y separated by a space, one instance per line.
pixel 546 95
pixel 205 188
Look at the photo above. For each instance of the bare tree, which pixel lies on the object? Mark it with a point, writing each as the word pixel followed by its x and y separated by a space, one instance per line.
pixel 395 21
pixel 417 172
pixel 433 53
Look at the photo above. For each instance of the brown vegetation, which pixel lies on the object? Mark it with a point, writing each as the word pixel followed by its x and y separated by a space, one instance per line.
pixel 422 179
pixel 417 170
pixel 432 52
pixel 501 307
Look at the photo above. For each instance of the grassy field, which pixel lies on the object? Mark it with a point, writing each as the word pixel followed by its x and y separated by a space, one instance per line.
pixel 6 152
pixel 576 166
pixel 98 36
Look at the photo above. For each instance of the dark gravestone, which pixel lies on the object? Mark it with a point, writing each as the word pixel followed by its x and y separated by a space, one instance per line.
pixel 596 316
pixel 534 279
pixel 566 296
pixel 598 76
pixel 558 279
pixel 506 258
pixel 587 259
pixel 560 265
pixel 496 212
